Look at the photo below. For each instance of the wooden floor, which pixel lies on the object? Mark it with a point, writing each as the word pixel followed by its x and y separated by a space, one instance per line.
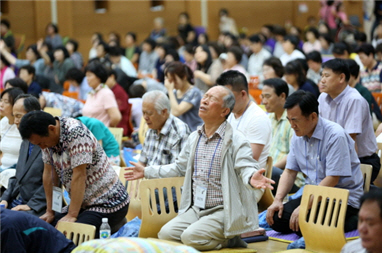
pixel 268 246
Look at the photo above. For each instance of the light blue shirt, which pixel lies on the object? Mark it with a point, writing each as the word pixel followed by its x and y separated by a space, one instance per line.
pixel 83 89
pixel 329 152
pixel 350 110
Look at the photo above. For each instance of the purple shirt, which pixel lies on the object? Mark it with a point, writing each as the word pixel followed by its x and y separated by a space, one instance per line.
pixel 329 152
pixel 350 110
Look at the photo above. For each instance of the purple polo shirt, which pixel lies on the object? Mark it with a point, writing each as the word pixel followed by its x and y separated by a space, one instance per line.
pixel 351 111
pixel 329 152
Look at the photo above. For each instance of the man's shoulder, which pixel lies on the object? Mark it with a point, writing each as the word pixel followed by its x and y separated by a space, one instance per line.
pixel 354 247
pixel 178 126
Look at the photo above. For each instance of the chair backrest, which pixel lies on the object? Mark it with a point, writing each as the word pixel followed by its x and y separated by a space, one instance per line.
pixel 71 94
pixel 132 188
pixel 367 170
pixel 77 232
pixel 256 94
pixel 378 179
pixel 267 198
pixel 53 111
pixel 378 98
pixel 142 131
pixel 152 222
pixel 118 134
pixel 323 225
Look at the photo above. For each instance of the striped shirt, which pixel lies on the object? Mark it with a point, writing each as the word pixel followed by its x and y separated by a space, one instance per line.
pixel 163 148
pixel 372 79
pixel 207 165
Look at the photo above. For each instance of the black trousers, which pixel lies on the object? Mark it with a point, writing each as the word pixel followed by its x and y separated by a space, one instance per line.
pixel 95 218
pixel 282 224
pixel 375 161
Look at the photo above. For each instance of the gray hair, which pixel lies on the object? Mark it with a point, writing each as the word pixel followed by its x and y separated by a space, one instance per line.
pixel 229 100
pixel 158 98
pixel 30 102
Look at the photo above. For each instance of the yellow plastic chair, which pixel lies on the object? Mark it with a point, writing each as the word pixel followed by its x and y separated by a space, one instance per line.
pixel 77 232
pixel 367 170
pixel 378 180
pixel 142 131
pixel 118 134
pixel 267 198
pixel 53 111
pixel 132 187
pixel 323 231
pixel 152 222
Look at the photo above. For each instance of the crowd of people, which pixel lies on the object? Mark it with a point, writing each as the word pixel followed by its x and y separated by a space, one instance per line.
pixel 194 95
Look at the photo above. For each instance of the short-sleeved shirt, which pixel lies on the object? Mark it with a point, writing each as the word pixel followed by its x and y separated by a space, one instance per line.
pixel 123 106
pixel 285 58
pixel 83 89
pixel 10 141
pixel 255 63
pixel 372 79
pixel 329 152
pixel 34 89
pixel 77 146
pixel 163 148
pixel 102 133
pixel 98 102
pixel 350 110
pixel 192 96
pixel 365 93
pixel 38 64
pixel 70 107
pixel 256 126
pixel 147 62
pixel 214 71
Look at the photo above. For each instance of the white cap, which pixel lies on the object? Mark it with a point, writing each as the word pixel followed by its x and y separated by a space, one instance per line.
pixel 105 220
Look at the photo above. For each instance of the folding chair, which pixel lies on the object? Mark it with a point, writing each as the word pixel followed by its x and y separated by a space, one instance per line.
pixel 77 232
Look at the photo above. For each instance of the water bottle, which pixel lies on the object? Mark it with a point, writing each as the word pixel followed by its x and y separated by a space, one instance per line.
pixel 105 230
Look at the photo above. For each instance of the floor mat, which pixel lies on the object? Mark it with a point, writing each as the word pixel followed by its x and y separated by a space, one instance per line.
pixel 289 238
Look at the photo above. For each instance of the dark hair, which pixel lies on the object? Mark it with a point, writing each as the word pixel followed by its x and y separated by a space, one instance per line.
pixel 314 56
pixel 136 91
pixel 30 69
pixel 235 79
pixel 276 64
pixel 326 37
pixel 173 53
pixel 189 48
pixel 99 36
pixel 360 36
pixel 314 31
pixel 269 27
pixel 367 49
pixel 151 42
pixel 340 47
pixel 208 61
pixel 374 195
pixel 279 30
pixel 255 38
pixel 353 67
pixel 307 102
pixel 115 51
pixel 112 72
pixel 105 46
pixel 117 38
pixel 54 26
pixel 294 67
pixel 223 11
pixel 338 66
pixel 6 23
pixel 330 2
pixel 292 39
pixel 98 69
pixel 35 122
pixel 184 14
pixel 206 37
pixel 378 49
pixel 75 74
pixel 12 94
pixel 30 103
pixel 48 45
pixel 278 85
pixel 74 43
pixel 18 83
pixel 65 51
pixel 4 60
pixel 34 48
pixel 237 52
pixel 133 35
pixel 218 49
pixel 181 70
pixel 303 64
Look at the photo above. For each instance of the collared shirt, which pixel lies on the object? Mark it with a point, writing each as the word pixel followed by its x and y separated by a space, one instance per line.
pixel 314 76
pixel 281 136
pixel 208 162
pixel 372 79
pixel 350 110
pixel 70 107
pixel 329 152
pixel 104 192
pixel 163 148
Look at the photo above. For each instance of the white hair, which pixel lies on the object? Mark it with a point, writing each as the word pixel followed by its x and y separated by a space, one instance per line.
pixel 158 98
